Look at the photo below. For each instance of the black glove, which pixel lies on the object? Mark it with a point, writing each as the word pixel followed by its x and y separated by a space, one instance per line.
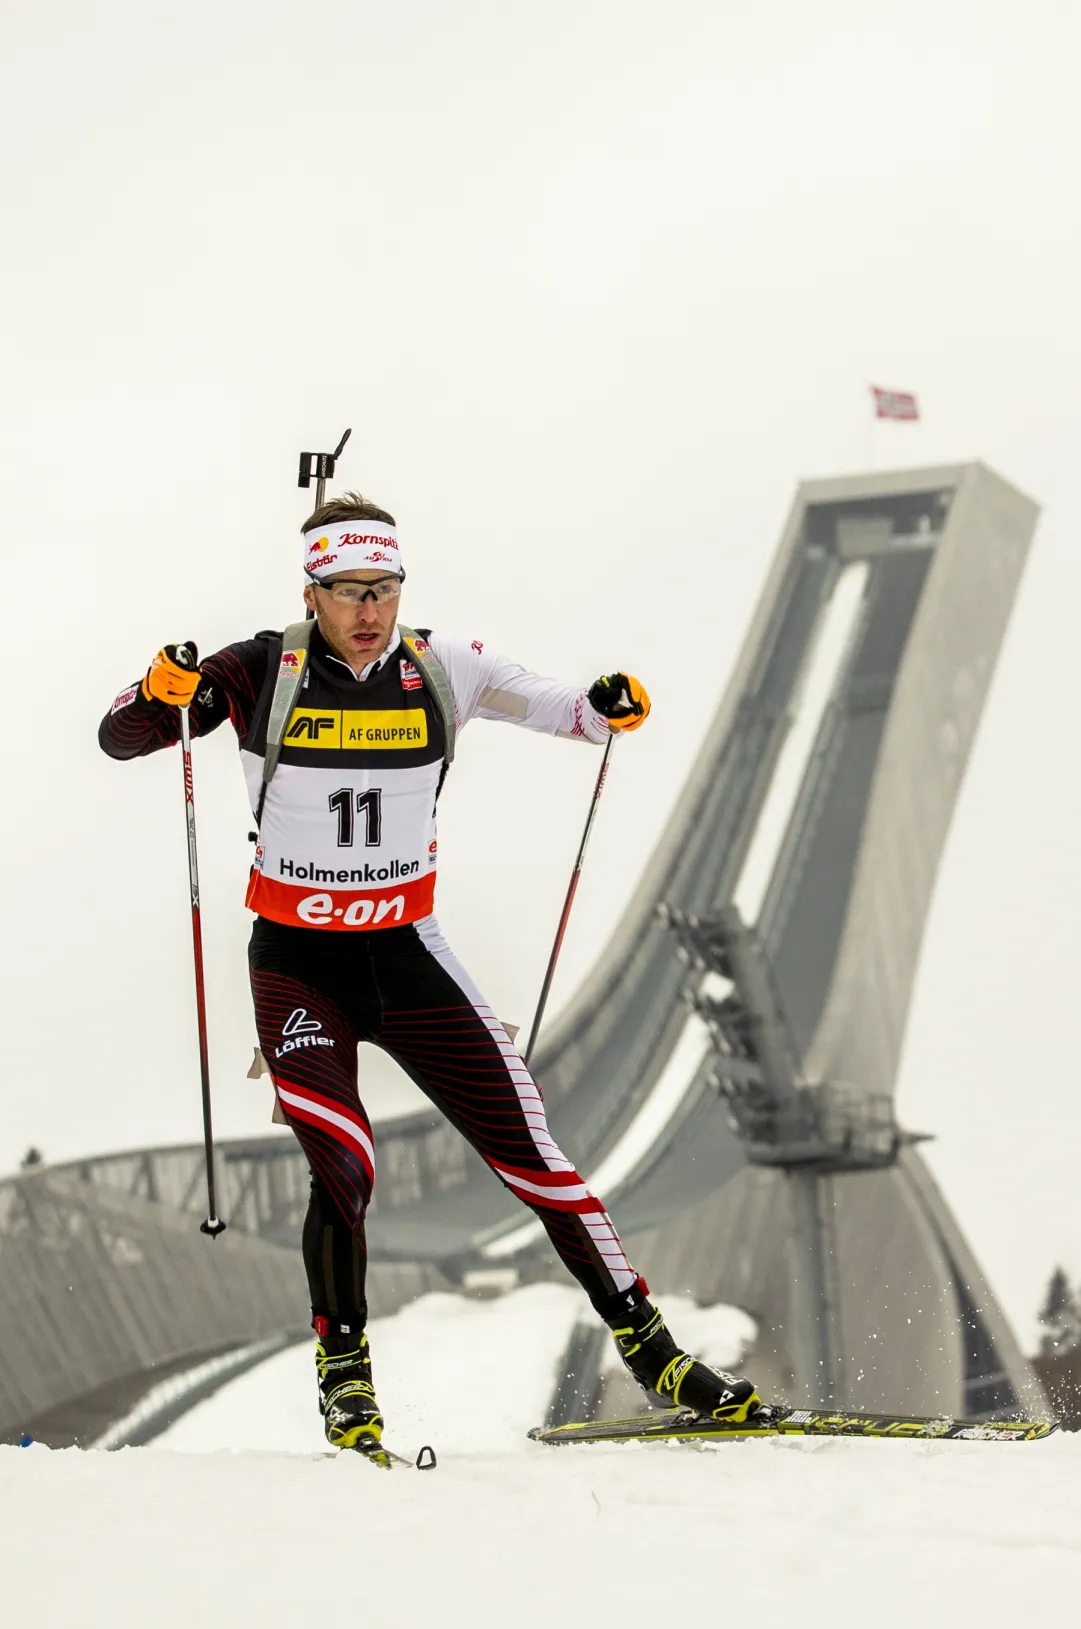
pixel 621 699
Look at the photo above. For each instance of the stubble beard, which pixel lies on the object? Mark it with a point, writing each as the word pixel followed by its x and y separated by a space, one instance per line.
pixel 345 652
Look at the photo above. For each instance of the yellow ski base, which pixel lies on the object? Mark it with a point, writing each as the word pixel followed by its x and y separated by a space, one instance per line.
pixel 680 1426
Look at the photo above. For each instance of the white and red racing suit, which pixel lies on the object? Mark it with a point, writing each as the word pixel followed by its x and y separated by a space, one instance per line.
pixel 346 947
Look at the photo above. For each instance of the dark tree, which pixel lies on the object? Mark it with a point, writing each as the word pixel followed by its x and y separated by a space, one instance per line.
pixel 1060 1316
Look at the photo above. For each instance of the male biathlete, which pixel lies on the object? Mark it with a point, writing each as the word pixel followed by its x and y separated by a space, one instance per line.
pixel 346 948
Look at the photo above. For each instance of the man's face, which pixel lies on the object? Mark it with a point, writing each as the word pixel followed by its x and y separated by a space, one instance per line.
pixel 356 633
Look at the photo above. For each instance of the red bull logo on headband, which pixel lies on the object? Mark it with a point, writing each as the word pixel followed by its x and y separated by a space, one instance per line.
pixel 318 559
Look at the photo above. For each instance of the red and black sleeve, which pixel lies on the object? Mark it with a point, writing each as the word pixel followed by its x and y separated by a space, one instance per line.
pixel 231 683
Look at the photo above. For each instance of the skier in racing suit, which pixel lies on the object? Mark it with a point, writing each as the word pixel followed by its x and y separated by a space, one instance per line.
pixel 346 948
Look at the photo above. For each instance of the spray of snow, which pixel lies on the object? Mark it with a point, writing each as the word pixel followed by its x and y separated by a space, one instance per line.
pixel 250 1524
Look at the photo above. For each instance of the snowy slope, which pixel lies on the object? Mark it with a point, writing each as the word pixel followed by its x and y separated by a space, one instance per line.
pixel 757 1534
pixel 763 1533
pixel 463 1374
pixel 459 1373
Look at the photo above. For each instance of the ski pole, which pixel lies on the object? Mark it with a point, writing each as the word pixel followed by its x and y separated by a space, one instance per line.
pixel 187 656
pixel 572 889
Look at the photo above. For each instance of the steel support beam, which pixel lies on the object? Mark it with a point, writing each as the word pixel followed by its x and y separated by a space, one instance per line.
pixel 814 1336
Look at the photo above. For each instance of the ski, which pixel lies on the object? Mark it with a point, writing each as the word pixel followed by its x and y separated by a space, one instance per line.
pixel 680 1426
pixel 385 1458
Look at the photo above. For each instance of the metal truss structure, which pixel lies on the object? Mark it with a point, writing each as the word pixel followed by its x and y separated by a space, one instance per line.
pixel 756 989
pixel 108 1289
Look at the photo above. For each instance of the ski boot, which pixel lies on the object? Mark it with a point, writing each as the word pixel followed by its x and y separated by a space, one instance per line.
pixel 347 1402
pixel 671 1378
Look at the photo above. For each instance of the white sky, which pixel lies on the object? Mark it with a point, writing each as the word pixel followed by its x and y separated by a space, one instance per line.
pixel 594 284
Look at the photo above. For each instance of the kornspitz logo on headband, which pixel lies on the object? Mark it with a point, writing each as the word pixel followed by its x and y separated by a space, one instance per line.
pixel 351 545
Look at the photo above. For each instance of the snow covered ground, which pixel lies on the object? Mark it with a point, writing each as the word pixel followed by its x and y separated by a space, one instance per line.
pixel 462 1374
pixel 231 1519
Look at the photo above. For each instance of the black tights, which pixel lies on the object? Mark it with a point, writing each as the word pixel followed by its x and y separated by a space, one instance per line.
pixel 336 1262
pixel 317 994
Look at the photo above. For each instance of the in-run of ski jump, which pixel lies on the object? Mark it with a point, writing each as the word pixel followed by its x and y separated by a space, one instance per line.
pixel 347 725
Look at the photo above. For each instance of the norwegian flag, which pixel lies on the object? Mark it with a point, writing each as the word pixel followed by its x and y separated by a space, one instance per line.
pixel 895 404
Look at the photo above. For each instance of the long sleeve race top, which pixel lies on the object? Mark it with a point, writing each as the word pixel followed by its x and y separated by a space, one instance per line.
pixel 484 683
pixel 347 832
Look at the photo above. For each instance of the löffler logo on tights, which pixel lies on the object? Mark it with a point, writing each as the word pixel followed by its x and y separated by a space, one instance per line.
pixel 298 1031
pixel 298 1023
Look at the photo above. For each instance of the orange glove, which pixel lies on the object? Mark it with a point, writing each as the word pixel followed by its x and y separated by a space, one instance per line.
pixel 622 699
pixel 168 680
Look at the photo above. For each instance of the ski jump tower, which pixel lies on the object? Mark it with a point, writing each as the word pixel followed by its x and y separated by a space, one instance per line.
pixel 793 885
pixel 724 1077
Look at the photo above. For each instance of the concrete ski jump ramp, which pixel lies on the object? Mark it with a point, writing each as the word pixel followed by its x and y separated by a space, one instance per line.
pixel 816 810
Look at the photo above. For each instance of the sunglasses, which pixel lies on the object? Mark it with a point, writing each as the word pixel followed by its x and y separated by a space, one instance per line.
pixel 380 590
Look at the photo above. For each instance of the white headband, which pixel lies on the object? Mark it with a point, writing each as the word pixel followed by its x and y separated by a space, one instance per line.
pixel 350 545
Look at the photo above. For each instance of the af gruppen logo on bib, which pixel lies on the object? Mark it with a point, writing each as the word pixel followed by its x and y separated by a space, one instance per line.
pixel 382 730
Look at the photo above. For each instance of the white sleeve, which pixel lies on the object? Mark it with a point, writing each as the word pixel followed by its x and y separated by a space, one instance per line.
pixel 488 685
